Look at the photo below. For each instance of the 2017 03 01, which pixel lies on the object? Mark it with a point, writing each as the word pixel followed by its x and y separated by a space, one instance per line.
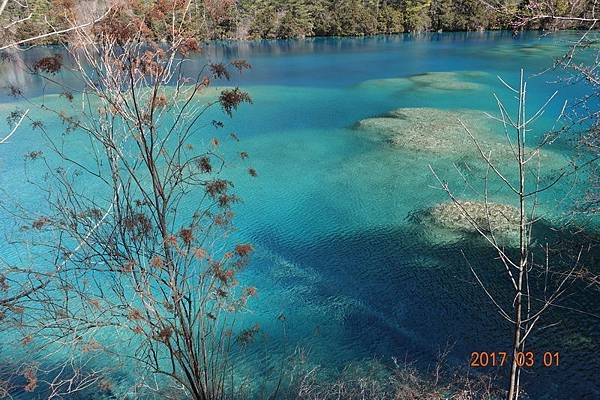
pixel 481 359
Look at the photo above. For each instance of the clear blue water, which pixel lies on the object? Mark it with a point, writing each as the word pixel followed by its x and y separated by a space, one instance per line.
pixel 337 253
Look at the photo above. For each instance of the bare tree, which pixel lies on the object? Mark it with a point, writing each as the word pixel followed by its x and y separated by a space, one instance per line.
pixel 580 61
pixel 526 305
pixel 579 66
pixel 143 258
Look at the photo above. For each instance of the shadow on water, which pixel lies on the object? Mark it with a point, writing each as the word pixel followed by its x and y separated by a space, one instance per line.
pixel 416 296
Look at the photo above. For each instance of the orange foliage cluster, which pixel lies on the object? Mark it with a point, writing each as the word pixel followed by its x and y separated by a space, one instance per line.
pixel 231 99
pixel 219 10
pixel 164 334
pixel 50 65
pixel 189 45
pixel 95 303
pixel 149 64
pixel 203 84
pixel 171 241
pixel 186 235
pixel 157 262
pixel 161 9
pixel 219 71
pixel 241 65
pixel 64 4
pixel 217 187
pixel 34 155
pixel 199 254
pixel 226 200
pixel 30 373
pixel 244 250
pixel 161 101
pixel 247 335
pixel 226 276
pixel 138 329
pixel 122 25
pixel 40 223
pixel 92 213
pixel 138 224
pixel 223 219
pixel 134 315
pixel 204 164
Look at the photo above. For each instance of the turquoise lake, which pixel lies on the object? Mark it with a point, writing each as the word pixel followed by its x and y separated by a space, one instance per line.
pixel 339 251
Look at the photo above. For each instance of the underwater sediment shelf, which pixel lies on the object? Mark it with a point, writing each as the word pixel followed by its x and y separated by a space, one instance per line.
pixel 471 216
pixel 527 50
pixel 443 132
pixel 442 81
pixel 449 80
pixel 450 221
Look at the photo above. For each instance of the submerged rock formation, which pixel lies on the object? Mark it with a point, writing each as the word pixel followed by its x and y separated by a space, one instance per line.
pixel 449 80
pixel 469 216
pixel 550 50
pixel 446 81
pixel 422 129
pixel 442 132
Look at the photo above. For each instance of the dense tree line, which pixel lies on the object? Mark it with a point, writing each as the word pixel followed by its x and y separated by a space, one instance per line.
pixel 254 19
pixel 270 19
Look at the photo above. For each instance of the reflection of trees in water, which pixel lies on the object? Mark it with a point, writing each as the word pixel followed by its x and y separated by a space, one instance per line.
pixel 12 70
